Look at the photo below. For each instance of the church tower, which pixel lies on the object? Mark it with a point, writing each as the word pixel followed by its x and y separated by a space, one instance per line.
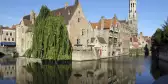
pixel 133 17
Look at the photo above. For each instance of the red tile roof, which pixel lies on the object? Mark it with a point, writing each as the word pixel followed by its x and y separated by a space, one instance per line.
pixel 107 23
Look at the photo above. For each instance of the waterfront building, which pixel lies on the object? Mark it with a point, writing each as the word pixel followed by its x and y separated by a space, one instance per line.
pixel 77 25
pixel 115 32
pixel 24 33
pixel 140 41
pixel 7 36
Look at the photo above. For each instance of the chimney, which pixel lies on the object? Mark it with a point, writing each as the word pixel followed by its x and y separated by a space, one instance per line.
pixel 66 5
pixel 102 22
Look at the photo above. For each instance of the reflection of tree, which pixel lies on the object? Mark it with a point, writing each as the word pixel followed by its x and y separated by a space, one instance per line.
pixel 48 74
pixel 155 70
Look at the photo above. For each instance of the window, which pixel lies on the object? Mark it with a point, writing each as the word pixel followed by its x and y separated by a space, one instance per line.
pixel 12 39
pixel 79 12
pixel 131 4
pixel 78 19
pixel 10 34
pixel 7 33
pixel 78 41
pixel 8 39
pixel 83 30
pixel 5 39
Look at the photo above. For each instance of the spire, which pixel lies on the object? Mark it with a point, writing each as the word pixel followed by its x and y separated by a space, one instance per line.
pixel 76 2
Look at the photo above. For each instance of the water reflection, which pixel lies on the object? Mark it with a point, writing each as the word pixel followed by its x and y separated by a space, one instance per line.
pixel 7 69
pixel 122 70
pixel 107 71
pixel 158 68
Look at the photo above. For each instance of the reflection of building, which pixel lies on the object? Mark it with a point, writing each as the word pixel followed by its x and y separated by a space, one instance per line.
pixel 89 72
pixel 22 75
pixel 8 69
pixel 114 71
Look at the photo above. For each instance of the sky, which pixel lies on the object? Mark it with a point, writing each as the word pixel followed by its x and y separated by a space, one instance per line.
pixel 151 13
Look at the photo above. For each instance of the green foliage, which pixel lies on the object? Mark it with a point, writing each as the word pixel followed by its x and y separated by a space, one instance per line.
pixel 50 37
pixel 165 31
pixel 158 36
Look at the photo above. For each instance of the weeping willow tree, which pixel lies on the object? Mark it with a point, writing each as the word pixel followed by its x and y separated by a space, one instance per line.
pixel 50 37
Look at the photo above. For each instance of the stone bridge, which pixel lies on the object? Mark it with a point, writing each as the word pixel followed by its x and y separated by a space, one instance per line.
pixel 7 50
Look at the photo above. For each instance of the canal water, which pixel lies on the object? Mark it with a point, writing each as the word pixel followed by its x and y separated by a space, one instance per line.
pixel 119 70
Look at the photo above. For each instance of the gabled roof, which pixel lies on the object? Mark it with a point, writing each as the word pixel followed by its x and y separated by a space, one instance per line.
pixel 66 12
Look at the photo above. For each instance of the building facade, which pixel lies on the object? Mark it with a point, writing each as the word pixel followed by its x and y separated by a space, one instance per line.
pixel 116 33
pixel 24 34
pixel 8 36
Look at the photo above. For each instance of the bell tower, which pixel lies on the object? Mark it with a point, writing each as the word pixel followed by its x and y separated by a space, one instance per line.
pixel 133 17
